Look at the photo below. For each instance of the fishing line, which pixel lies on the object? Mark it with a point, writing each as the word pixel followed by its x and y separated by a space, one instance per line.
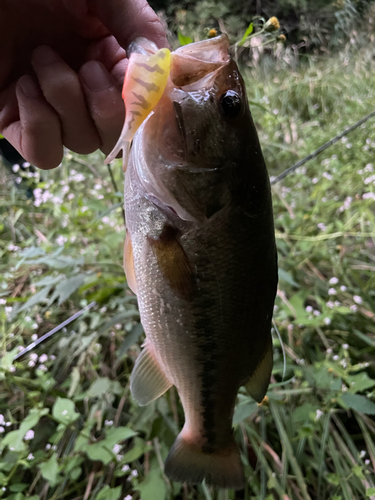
pixel 321 149
pixel 282 348
pixel 49 334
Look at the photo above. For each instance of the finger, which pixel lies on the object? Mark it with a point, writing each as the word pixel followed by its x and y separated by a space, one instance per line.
pixel 130 19
pixel 37 134
pixel 108 52
pixel 62 89
pixel 105 103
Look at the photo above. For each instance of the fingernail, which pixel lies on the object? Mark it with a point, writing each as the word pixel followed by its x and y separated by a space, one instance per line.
pixel 44 55
pixel 95 76
pixel 29 87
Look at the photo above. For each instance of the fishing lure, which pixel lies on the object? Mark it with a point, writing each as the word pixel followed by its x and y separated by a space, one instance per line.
pixel 145 81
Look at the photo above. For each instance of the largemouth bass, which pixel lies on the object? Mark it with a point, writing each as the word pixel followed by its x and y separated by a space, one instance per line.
pixel 200 253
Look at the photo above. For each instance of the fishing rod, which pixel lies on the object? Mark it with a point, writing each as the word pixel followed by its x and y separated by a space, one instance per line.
pixel 321 149
pixel 49 334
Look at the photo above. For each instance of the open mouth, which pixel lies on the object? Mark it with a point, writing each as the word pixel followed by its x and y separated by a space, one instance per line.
pixel 194 62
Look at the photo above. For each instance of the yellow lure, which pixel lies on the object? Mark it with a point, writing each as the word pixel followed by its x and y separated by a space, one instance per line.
pixel 145 81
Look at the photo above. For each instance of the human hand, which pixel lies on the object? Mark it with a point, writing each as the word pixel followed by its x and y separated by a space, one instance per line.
pixel 62 64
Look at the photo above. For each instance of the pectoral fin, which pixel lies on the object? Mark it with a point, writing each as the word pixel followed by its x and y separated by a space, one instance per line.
pixel 174 263
pixel 129 264
pixel 148 381
pixel 258 383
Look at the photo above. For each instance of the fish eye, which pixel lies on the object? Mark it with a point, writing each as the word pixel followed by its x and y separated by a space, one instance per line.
pixel 230 103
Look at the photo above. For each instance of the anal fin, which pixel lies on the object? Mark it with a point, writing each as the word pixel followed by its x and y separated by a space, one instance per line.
pixel 259 381
pixel 148 381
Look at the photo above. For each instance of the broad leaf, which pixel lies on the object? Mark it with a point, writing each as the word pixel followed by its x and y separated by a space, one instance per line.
pixel 183 39
pixel 64 411
pixel 50 470
pixel 357 403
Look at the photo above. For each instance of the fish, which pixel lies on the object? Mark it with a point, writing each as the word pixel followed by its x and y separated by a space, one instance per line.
pixel 199 251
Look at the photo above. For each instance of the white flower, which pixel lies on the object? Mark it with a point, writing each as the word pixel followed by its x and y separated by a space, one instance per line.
pixel 327 176
pixel 30 456
pixel 134 473
pixel 347 203
pixel 327 321
pixel 1 429
pixel 333 281
pixel 330 304
pixel 319 414
pixel 362 454
pixel 357 299
pixel 2 302
pixel 128 497
pixel 42 368
pixel 329 351
pixel 125 468
pixel 15 168
pixel 354 308
pixel 43 358
pixel 332 291
pixel 343 288
pixel 64 412
pixel 103 310
pixel 309 309
pixel 345 346
pixel 315 180
pixel 31 363
pixel 48 446
pixel 322 226
pixel 29 435
pixel 116 449
pixel 13 248
pixel 34 337
pixel 108 422
pixel 367 461
pixel 71 196
pixel 2 419
pixel 335 357
pixel 61 240
pixel 97 186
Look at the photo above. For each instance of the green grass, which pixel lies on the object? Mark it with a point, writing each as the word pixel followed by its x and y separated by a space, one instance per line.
pixel 315 438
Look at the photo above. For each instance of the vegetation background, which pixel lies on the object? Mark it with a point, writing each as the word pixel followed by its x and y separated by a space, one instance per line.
pixel 68 426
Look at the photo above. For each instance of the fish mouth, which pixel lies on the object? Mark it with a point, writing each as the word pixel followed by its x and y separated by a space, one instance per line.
pixel 198 61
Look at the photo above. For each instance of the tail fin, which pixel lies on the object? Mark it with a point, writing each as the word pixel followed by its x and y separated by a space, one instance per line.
pixel 186 462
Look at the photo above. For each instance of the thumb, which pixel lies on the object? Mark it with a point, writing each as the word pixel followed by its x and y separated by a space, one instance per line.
pixel 130 19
